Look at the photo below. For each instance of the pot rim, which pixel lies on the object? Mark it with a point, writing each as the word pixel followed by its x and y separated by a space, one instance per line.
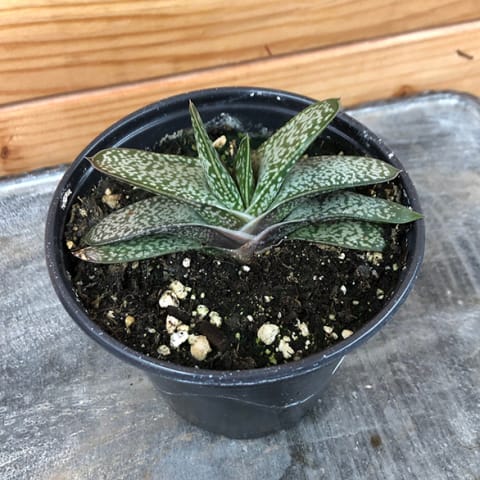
pixel 59 278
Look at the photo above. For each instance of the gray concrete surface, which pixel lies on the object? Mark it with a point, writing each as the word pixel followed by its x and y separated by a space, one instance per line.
pixel 404 406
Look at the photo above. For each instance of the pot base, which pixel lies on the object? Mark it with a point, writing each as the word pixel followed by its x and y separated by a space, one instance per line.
pixel 248 411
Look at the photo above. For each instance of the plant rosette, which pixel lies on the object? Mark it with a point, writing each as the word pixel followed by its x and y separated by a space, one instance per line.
pixel 235 243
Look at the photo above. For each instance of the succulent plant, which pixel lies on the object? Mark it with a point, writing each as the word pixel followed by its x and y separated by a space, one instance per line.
pixel 273 193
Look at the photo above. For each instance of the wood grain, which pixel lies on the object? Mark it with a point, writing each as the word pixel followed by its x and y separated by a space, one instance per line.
pixel 52 131
pixel 55 46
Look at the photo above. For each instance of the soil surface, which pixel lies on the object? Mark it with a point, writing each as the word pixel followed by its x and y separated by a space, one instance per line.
pixel 309 296
pixel 312 293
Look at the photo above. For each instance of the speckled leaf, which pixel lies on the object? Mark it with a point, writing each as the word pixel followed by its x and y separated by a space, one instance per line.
pixel 220 182
pixel 347 234
pixel 244 171
pixel 322 174
pixel 137 249
pixel 156 215
pixel 316 175
pixel 354 206
pixel 277 155
pixel 338 206
pixel 170 175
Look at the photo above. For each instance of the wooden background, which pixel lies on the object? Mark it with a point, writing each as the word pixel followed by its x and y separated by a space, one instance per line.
pixel 70 68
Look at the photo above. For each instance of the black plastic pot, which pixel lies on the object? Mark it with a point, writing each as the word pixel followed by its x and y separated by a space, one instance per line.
pixel 247 403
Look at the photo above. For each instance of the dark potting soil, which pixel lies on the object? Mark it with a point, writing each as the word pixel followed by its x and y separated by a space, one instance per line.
pixel 315 295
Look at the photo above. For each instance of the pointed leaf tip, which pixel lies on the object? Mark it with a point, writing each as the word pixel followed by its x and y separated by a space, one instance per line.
pixel 219 180
pixel 278 154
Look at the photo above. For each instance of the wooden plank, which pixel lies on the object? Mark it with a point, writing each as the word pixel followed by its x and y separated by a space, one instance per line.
pixel 52 131
pixel 55 46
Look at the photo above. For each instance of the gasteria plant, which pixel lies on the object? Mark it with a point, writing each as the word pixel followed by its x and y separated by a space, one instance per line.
pixel 274 193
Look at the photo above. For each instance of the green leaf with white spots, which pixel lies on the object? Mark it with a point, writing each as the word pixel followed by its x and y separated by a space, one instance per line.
pixel 351 234
pixel 340 206
pixel 170 175
pixel 277 155
pixel 137 249
pixel 244 171
pixel 157 215
pixel 354 206
pixel 314 175
pixel 220 182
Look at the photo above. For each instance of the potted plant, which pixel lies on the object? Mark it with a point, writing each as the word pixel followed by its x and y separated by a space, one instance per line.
pixel 244 250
